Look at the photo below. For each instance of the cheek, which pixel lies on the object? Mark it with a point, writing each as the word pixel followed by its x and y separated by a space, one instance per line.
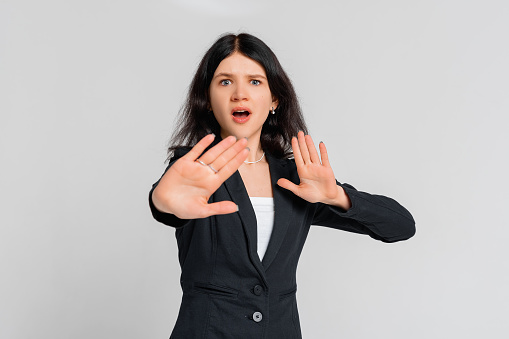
pixel 218 99
pixel 219 117
pixel 213 104
pixel 266 97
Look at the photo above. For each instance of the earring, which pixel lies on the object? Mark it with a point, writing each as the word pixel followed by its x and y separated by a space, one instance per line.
pixel 273 111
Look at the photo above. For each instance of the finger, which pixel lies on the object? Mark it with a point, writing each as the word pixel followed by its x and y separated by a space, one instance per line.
pixel 303 147
pixel 323 154
pixel 229 154
pixel 198 149
pixel 287 184
pixel 222 207
pixel 233 165
pixel 215 151
pixel 296 152
pixel 313 154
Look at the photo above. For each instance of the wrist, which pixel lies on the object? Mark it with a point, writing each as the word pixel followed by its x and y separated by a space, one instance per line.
pixel 160 201
pixel 341 200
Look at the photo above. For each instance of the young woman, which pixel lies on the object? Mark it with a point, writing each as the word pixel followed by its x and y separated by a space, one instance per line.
pixel 242 188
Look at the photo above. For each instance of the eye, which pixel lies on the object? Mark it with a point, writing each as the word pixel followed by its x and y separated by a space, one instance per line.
pixel 255 82
pixel 225 82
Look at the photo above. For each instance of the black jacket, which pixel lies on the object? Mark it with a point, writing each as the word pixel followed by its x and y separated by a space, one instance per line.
pixel 227 291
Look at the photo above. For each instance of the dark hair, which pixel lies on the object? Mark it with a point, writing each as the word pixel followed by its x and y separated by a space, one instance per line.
pixel 196 120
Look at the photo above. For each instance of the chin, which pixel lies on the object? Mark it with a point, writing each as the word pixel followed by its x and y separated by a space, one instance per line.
pixel 240 133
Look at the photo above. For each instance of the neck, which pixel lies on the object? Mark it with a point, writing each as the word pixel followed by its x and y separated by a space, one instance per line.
pixel 255 150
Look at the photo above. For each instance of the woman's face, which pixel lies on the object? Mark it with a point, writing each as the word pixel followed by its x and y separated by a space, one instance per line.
pixel 240 97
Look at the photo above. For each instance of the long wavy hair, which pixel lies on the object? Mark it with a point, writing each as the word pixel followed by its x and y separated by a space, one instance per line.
pixel 196 121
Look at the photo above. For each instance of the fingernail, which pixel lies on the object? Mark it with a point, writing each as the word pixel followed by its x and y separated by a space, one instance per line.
pixel 237 207
pixel 213 135
pixel 321 142
pixel 248 149
pixel 246 138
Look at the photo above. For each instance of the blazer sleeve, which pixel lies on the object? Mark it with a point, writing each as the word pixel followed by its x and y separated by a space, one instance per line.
pixel 167 218
pixel 380 217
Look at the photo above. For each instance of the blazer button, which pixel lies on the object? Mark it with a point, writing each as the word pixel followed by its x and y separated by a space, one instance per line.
pixel 258 290
pixel 257 317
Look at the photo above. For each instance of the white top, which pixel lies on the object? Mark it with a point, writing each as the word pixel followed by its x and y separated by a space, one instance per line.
pixel 264 211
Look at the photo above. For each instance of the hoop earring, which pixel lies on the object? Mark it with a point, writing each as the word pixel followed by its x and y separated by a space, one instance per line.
pixel 273 111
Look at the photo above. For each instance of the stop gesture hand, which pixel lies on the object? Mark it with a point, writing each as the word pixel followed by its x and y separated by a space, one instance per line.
pixel 317 181
pixel 184 190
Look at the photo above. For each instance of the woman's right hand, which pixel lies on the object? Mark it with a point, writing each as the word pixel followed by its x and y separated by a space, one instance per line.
pixel 184 190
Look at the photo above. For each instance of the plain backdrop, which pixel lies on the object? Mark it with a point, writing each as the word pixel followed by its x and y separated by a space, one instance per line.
pixel 410 97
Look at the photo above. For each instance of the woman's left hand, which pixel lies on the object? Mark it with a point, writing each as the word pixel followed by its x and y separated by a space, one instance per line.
pixel 317 181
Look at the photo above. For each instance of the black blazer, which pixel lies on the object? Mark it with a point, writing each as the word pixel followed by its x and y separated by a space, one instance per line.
pixel 227 291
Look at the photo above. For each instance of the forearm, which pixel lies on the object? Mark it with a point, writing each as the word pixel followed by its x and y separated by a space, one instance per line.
pixel 378 216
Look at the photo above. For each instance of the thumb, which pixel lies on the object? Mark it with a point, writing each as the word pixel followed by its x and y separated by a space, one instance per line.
pixel 222 207
pixel 285 183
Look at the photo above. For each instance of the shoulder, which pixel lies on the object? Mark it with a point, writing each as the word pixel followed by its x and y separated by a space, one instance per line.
pixel 289 162
pixel 178 152
pixel 283 168
pixel 283 162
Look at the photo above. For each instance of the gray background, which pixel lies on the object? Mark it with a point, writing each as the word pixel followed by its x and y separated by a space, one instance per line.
pixel 411 98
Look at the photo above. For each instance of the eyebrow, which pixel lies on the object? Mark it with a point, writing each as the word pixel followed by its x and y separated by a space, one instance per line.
pixel 229 75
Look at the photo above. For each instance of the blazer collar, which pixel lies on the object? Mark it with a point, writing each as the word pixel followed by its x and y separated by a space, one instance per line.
pixel 283 209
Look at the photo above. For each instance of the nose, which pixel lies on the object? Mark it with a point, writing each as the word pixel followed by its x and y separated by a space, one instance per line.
pixel 239 93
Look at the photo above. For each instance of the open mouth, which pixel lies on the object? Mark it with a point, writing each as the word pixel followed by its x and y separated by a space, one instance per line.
pixel 241 115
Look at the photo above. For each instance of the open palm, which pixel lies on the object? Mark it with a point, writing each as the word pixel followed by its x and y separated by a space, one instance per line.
pixel 317 181
pixel 184 190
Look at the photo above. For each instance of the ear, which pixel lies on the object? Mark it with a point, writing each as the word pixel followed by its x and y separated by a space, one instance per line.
pixel 275 102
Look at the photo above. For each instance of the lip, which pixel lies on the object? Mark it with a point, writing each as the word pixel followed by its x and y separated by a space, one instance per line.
pixel 241 120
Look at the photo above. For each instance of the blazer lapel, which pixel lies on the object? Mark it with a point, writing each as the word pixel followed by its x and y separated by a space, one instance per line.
pixel 237 190
pixel 238 194
pixel 283 208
